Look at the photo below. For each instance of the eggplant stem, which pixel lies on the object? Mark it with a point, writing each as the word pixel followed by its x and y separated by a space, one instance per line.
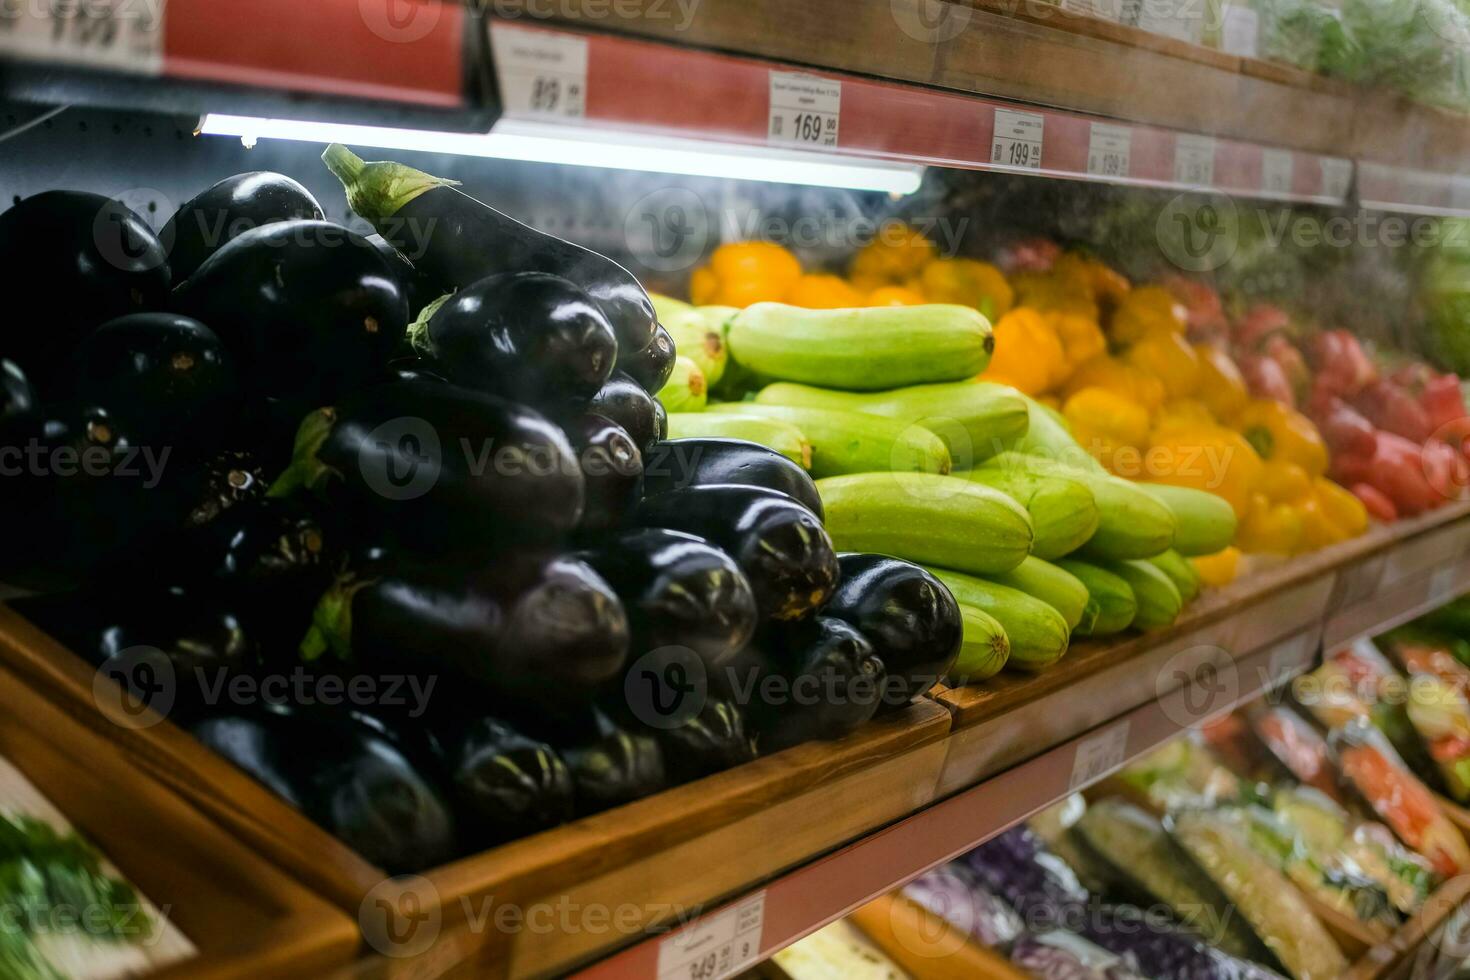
pixel 307 471
pixel 418 330
pixel 377 190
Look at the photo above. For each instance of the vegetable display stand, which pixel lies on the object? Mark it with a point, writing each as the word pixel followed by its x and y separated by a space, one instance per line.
pixel 245 917
pixel 1390 959
pixel 661 857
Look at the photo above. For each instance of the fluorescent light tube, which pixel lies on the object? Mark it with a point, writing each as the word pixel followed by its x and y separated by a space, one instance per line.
pixel 585 147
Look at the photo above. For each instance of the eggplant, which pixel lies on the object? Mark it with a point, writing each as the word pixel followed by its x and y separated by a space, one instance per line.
pixel 418 291
pixel 165 376
pixel 217 216
pixel 412 368
pixel 779 544
pixel 457 241
pixel 611 465
pixel 524 628
pixel 712 741
pixel 832 682
pixel 678 590
pixel 505 784
pixel 19 413
pixel 610 764
pixel 229 479
pixel 440 467
pixel 679 463
pixel 652 365
pixel 529 336
pixel 626 402
pixel 345 777
pixel 910 618
pixel 308 309
pixel 91 258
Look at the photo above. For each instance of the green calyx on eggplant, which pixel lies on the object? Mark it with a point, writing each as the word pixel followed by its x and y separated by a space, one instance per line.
pixel 628 404
pixel 456 240
pixel 440 467
pixel 348 779
pixel 678 463
pixel 610 764
pixel 779 544
pixel 611 466
pixel 91 257
pixel 910 618
pixel 166 376
pixel 530 336
pixel 218 215
pixel 308 309
pixel 526 628
pixel 652 365
pixel 678 590
pixel 505 784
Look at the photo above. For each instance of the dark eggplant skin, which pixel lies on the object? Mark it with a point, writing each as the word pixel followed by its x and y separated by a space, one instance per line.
pixel 416 288
pixel 610 764
pixel 19 412
pixel 167 377
pixel 505 784
pixel 712 741
pixel 660 421
pixel 678 590
pixel 456 240
pixel 611 467
pixel 230 479
pixel 910 618
pixel 92 258
pixel 529 336
pixel 348 779
pixel 216 216
pixel 652 365
pixel 308 309
pixel 442 467
pixel 627 403
pixel 779 544
pixel 678 463
pixel 412 368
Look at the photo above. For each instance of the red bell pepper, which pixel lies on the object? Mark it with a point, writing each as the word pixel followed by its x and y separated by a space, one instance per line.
pixel 1393 409
pixel 1030 255
pixel 1204 313
pixel 1260 322
pixel 1378 506
pixel 1342 366
pixel 1266 379
pixel 1281 350
pixel 1344 428
pixel 1397 469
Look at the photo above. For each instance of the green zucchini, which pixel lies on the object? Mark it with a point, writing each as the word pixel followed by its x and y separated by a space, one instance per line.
pixel 984 650
pixel 1159 601
pixel 1109 597
pixel 686 390
pixel 864 348
pixel 1054 586
pixel 696 338
pixel 854 442
pixel 1049 437
pixel 1205 522
pixel 666 307
pixel 1180 572
pixel 783 437
pixel 925 517
pixel 1063 512
pixel 1037 632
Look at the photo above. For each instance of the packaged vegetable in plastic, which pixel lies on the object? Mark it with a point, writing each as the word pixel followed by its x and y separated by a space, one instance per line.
pixel 1357 681
pixel 1061 955
pixel 952 893
pixel 1297 746
pixel 1163 949
pixel 1036 883
pixel 1181 772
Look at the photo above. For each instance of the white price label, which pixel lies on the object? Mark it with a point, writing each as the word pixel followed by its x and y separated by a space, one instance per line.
pixel 805 109
pixel 1194 160
pixel 1239 31
pixel 1337 176
pixel 541 74
pixel 1276 166
pixel 121 35
pixel 1108 148
pixel 715 946
pixel 1017 139
pixel 1098 755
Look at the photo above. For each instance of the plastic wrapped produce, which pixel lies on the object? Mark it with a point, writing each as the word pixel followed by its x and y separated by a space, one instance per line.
pixel 1162 950
pixel 1437 705
pixel 1182 772
pixel 1036 883
pixel 1060 955
pixel 1298 747
pixel 1357 681
pixel 952 893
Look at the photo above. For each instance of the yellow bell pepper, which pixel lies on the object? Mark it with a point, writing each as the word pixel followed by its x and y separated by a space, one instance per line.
pixel 1053 292
pixel 1115 375
pixel 823 292
pixel 1219 569
pixel 896 252
pixel 1108 286
pixel 1168 357
pixel 1269 528
pixel 1283 481
pixel 1082 339
pixel 969 283
pixel 1221 386
pixel 1318 528
pixel 1205 457
pixel 894 296
pixel 1343 508
pixel 1104 420
pixel 1028 355
pixel 742 273
pixel 1183 412
pixel 1278 431
pixel 1145 311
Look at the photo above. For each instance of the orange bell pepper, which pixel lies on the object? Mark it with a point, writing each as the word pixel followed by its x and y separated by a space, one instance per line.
pixel 1082 339
pixel 1108 286
pixel 968 283
pixel 894 296
pixel 1028 355
pixel 823 292
pixel 1115 375
pixel 1283 481
pixel 1103 420
pixel 1053 292
pixel 896 252
pixel 1144 311
pixel 1278 431
pixel 1205 457
pixel 1221 385
pixel 1219 569
pixel 742 273
pixel 1269 528
pixel 1168 357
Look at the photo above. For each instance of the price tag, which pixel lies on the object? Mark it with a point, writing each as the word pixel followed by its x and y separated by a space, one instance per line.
pixel 1239 30
pixel 715 946
pixel 1108 147
pixel 1276 166
pixel 805 109
pixel 1194 160
pixel 1098 755
pixel 1337 176
pixel 1017 139
pixel 541 74
pixel 121 35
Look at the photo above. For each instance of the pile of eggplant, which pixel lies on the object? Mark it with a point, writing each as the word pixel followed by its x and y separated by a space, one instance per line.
pixel 259 445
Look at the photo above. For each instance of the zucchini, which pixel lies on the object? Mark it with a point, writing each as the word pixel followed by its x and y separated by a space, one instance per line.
pixel 853 442
pixel 865 348
pixel 984 650
pixel 698 339
pixel 666 307
pixel 686 390
pixel 1109 597
pixel 1063 512
pixel 783 437
pixel 1159 601
pixel 976 419
pixel 1050 437
pixel 1180 572
pixel 1204 522
pixel 926 518
pixel 1054 586
pixel 1037 632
